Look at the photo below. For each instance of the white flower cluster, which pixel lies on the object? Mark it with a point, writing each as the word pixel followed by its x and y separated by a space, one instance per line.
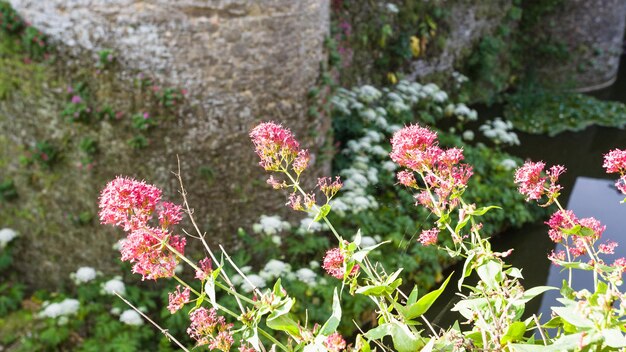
pixel 83 275
pixel 459 78
pixel 114 285
pixel 392 8
pixel 372 106
pixel 6 235
pixel 461 111
pixel 308 226
pixel 271 226
pixel 508 164
pixel 61 310
pixel 273 270
pixel 131 317
pixel 500 131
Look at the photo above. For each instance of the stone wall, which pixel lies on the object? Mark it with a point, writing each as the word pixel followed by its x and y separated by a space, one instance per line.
pixel 592 31
pixel 240 62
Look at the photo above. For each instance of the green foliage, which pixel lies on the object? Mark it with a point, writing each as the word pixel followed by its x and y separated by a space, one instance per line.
pixel 88 147
pixel 8 191
pixel 44 154
pixel 511 53
pixel 536 110
pixel 28 40
pixel 106 58
pixel 390 34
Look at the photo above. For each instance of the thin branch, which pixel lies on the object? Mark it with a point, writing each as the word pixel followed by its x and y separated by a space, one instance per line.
pixel 163 331
pixel 201 235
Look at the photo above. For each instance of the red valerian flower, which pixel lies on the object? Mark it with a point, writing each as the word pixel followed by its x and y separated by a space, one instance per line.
pixel 276 145
pixel 334 264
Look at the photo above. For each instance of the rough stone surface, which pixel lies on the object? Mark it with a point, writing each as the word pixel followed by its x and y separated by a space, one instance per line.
pixel 241 61
pixel 470 21
pixel 593 32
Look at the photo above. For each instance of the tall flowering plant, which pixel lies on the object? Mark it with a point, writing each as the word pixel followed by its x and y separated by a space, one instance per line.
pixel 493 308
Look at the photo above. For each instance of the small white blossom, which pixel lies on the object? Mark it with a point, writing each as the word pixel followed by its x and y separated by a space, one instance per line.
pixel 256 280
pixel 339 207
pixel 468 135
pixel 307 225
pixel 392 8
pixel 508 164
pixel 314 264
pixel 179 269
pixel 306 275
pixel 270 225
pixel 115 311
pixel 114 285
pixel 69 306
pixel 389 166
pixel 6 235
pixel 274 268
pixel 131 317
pixel 367 241
pixel 83 274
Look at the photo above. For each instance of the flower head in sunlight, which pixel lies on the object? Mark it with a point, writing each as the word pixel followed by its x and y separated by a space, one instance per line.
pixel 334 264
pixel 428 237
pixel 615 161
pixel 534 183
pixel 208 328
pixel 128 203
pixel 335 342
pixel 178 299
pixel 276 146
pixel 413 147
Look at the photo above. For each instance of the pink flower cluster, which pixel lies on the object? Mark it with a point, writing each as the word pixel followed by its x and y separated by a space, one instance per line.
pixel 334 264
pixel 277 148
pixel 615 162
pixel 561 221
pixel 178 299
pixel 205 269
pixel 207 328
pixel 416 148
pixel 131 204
pixel 335 342
pixel 428 237
pixel 329 187
pixel 532 183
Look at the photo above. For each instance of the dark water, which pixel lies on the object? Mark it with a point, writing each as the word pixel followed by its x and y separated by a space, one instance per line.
pixel 588 191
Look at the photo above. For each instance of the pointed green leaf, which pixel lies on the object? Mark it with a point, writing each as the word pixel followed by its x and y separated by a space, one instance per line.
pixel 424 303
pixel 333 322
pixel 324 210
pixel 515 332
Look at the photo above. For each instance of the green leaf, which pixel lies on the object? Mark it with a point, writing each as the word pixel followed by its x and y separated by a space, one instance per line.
pixel 324 210
pixel 535 291
pixel 403 339
pixel 467 268
pixel 614 338
pixel 412 297
pixel 586 231
pixel 333 322
pixel 490 273
pixel 209 289
pixel 362 345
pixel 483 210
pixel 279 319
pixel 529 348
pixel 371 290
pixel 575 318
pixel 379 332
pixel 420 307
pixel 515 332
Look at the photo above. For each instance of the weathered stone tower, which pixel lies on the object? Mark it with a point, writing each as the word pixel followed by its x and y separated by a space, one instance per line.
pixel 240 62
